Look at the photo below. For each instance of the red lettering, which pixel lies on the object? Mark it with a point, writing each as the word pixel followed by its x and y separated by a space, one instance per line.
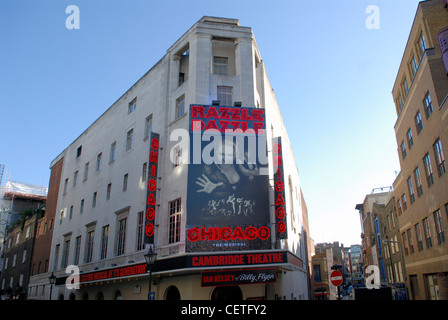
pixel 279 186
pixel 211 125
pixel 152 184
pixel 235 124
pixel 277 148
pixel 281 226
pixel 212 113
pixel 278 161
pixel 224 124
pixel 153 156
pixel 235 114
pixel 197 112
pixel 192 234
pixel 151 199
pixel 280 201
pixel 155 143
pixel 149 229
pixel 264 233
pixel 280 212
pixel 257 114
pixel 244 115
pixel 238 234
pixel 153 170
pixel 224 113
pixel 258 126
pixel 210 234
pixel 150 214
pixel 251 233
pixel 197 125
pixel 226 233
pixel 279 173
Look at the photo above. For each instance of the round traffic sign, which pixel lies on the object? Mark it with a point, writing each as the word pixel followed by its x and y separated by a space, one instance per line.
pixel 336 278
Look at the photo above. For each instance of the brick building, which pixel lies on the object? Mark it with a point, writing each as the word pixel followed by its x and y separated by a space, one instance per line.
pixel 420 94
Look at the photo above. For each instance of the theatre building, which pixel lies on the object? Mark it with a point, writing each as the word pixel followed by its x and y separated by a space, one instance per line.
pixel 194 163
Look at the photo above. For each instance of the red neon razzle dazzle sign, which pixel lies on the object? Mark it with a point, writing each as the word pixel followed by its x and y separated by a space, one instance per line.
pixel 151 188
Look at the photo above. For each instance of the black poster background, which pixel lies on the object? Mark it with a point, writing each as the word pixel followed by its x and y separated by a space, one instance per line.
pixel 241 198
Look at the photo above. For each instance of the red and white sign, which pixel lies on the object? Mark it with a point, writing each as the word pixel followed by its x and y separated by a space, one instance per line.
pixel 336 278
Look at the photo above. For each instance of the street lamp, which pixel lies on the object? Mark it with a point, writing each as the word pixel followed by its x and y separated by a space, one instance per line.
pixel 52 280
pixel 150 258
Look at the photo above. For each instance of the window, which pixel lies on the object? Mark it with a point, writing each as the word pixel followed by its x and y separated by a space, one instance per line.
pixel 75 178
pixel 65 185
pixel 56 256
pixel 411 245
pixel 129 139
pixel 78 152
pixel 225 95
pixel 406 87
pixel 86 171
pixel 439 227
pixel 144 171
pixel 220 65
pixel 418 236
pixel 427 233
pixel 428 105
pixel 94 199
pixel 180 106
pixel 81 207
pixel 98 161
pixel 70 214
pixel 104 239
pixel 77 250
pixel 65 253
pixel 24 255
pixel 400 101
pixel 132 106
pixel 405 244
pixel 428 170
pixel 410 140
pixel 175 220
pixel 148 127
pixel 61 217
pixel 414 65
pixel 411 190
pixel 89 245
pixel 403 199
pixel 140 225
pixel 125 182
pixel 109 189
pixel 113 149
pixel 399 207
pixel 440 159
pixel 403 150
pixel 418 122
pixel 121 236
pixel 418 181
pixel 177 156
pixel 422 43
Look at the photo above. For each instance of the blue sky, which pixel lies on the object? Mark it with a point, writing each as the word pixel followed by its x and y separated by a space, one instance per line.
pixel 332 77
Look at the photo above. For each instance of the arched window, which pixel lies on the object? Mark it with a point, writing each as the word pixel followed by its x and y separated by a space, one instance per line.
pixel 118 295
pixel 172 293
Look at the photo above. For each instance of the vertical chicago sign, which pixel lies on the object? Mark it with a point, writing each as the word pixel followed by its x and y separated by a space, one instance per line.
pixel 279 190
pixel 151 188
pixel 228 184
